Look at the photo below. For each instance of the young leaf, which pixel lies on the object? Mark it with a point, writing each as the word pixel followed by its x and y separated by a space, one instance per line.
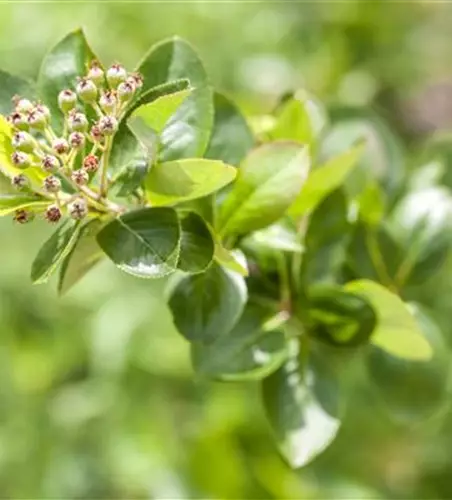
pixel 233 260
pixel 187 133
pixel 412 390
pixel 276 237
pixel 176 181
pixel 196 244
pixel 151 95
pixel 206 306
pixel 67 60
pixel 324 180
pixel 296 400
pixel 144 243
pixel 157 113
pixel 250 351
pixel 11 202
pixel 300 119
pixel 268 181
pixel 231 138
pixel 54 251
pixel 397 332
pixel 10 86
pixel 85 254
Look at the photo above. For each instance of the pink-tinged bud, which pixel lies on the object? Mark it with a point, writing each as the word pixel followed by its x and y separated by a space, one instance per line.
pixel 80 177
pixel 96 134
pixel 91 164
pixel 22 105
pixel 20 182
pixel 108 125
pixel 77 122
pixel 126 91
pixel 115 75
pixel 20 159
pixel 36 119
pixel 44 110
pixel 78 209
pixel 50 163
pixel 76 140
pixel 60 146
pixel 23 216
pixel 18 120
pixel 86 90
pixel 23 141
pixel 52 184
pixel 108 101
pixel 53 214
pixel 136 79
pixel 96 73
pixel 67 99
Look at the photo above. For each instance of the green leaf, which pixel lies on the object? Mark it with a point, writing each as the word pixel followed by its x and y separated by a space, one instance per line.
pixel 11 202
pixel 297 402
pixel 231 138
pixel 128 152
pixel 371 204
pixel 176 181
pixel 300 119
pixel 325 179
pixel 268 181
pixel 413 390
pixel 340 318
pixel 10 86
pixel 397 332
pixel 157 92
pixel 196 245
pixel 233 260
pixel 54 251
pixel 144 243
pixel 85 254
pixel 273 238
pixel 253 349
pixel 157 113
pixel 61 66
pixel 383 156
pixel 206 306
pixel 187 133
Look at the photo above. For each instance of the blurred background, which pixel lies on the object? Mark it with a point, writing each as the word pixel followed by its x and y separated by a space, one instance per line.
pixel 97 397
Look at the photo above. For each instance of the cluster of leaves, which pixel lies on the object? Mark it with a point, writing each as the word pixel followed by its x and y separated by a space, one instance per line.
pixel 291 244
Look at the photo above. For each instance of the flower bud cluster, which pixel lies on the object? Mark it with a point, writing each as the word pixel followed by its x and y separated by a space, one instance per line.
pixel 92 110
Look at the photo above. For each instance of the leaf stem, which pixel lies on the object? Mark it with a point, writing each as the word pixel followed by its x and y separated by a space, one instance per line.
pixel 104 167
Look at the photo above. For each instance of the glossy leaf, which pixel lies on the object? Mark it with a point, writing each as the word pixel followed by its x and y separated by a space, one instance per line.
pixel 85 254
pixel 188 131
pixel 274 238
pixel 233 260
pixel 397 332
pixel 250 351
pixel 157 92
pixel 324 180
pixel 340 318
pixel 268 181
pixel 54 251
pixel 296 402
pixel 9 203
pixel 382 159
pixel 206 306
pixel 11 86
pixel 196 245
pixel 231 138
pixel 412 390
pixel 182 180
pixel 144 243
pixel 300 118
pixel 157 113
pixel 69 59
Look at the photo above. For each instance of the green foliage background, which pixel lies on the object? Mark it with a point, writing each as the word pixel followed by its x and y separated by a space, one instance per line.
pixel 97 395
